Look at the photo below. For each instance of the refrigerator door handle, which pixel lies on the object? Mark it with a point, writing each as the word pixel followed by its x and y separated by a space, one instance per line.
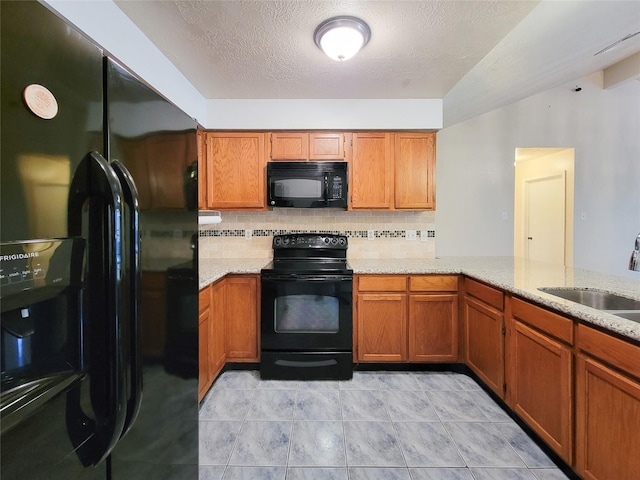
pixel 95 211
pixel 133 271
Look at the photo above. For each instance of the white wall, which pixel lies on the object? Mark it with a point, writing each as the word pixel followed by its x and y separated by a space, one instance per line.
pixel 475 172
pixel 111 29
pixel 357 114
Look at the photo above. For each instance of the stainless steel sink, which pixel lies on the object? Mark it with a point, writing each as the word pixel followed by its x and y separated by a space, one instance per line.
pixel 632 315
pixel 594 298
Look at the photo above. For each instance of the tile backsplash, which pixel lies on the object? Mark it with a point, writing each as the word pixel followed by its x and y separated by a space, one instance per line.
pixel 249 234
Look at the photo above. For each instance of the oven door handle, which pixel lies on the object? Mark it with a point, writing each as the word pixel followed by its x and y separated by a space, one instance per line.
pixel 308 278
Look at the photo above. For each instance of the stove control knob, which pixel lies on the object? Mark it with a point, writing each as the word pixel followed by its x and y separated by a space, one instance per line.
pixel 286 241
pixel 342 241
pixel 325 240
pixel 277 241
pixel 334 241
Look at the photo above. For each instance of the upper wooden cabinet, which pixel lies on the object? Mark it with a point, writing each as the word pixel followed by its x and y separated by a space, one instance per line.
pixel 307 146
pixel 371 171
pixel 235 169
pixel 202 171
pixel 393 171
pixel 414 171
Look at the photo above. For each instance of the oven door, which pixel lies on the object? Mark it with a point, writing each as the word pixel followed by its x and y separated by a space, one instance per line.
pixel 306 313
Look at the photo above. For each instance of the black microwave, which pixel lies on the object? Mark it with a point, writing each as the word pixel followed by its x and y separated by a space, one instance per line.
pixel 307 184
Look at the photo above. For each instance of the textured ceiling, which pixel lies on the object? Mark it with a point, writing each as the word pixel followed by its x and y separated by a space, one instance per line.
pixel 477 55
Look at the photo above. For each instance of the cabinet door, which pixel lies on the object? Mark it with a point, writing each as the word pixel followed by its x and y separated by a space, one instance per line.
pixel 290 146
pixel 484 343
pixel 241 318
pixel 204 377
pixel 540 386
pixel 217 354
pixel 235 170
pixel 607 422
pixel 371 171
pixel 326 146
pixel 204 327
pixel 202 171
pixel 382 327
pixel 433 328
pixel 414 171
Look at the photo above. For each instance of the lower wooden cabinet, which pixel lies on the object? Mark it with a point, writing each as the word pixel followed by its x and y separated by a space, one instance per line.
pixel 204 327
pixel 484 334
pixel 607 407
pixel 217 328
pixel 382 327
pixel 540 374
pixel 228 326
pixel 241 318
pixel 407 318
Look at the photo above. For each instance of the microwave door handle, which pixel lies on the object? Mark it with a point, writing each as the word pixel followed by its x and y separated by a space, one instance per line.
pixel 326 188
pixel 96 186
pixel 130 193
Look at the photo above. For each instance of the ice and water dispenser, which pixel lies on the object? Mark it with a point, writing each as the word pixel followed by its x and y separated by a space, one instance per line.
pixel 40 301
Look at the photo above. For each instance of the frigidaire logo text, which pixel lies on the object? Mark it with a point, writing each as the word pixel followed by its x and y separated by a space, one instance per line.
pixel 19 256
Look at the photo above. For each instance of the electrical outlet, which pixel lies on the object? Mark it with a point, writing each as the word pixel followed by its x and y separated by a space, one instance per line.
pixel 371 235
pixel 411 235
pixel 248 234
pixel 424 236
pixel 505 216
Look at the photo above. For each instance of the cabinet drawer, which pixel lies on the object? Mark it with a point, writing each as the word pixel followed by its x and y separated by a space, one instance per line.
pixel 555 325
pixel 204 298
pixel 433 283
pixel 612 350
pixel 382 283
pixel 485 293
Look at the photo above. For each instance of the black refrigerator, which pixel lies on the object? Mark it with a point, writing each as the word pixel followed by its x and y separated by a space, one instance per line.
pixel 98 270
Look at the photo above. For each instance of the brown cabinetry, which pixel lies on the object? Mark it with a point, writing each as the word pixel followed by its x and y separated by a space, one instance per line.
pixel 235 170
pixel 484 333
pixel 327 146
pixel 393 171
pixel 414 171
pixel 241 318
pixel 540 373
pixel 202 171
pixel 228 326
pixel 371 177
pixel 607 407
pixel 204 326
pixel 400 318
pixel 307 146
pixel 217 350
pixel 433 318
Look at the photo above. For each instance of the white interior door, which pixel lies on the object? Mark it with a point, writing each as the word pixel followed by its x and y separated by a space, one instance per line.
pixel 545 219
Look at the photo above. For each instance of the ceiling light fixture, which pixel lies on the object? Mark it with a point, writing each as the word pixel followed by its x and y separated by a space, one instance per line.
pixel 342 37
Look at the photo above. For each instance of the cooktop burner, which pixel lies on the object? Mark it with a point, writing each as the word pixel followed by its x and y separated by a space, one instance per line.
pixel 309 253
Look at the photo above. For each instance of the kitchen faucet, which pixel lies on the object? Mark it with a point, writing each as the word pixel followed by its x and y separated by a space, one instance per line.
pixel 634 263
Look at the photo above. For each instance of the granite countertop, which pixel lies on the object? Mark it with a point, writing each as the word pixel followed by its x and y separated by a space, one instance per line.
pixel 514 275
